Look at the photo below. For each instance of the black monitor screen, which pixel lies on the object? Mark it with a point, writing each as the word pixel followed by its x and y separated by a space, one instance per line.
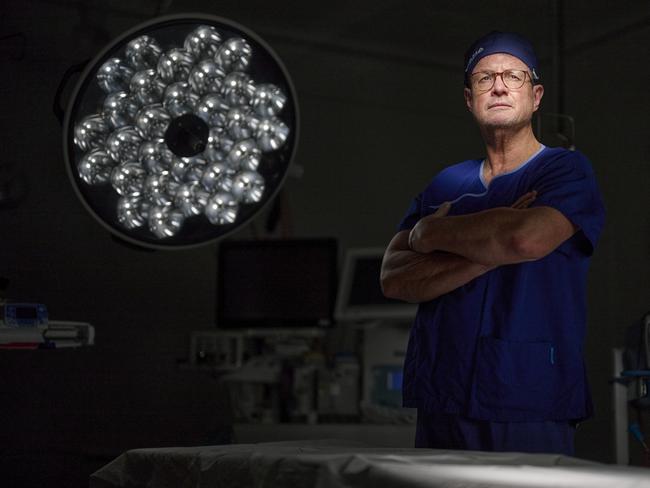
pixel 277 283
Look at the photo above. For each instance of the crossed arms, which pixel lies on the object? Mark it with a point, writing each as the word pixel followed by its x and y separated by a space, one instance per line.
pixel 443 253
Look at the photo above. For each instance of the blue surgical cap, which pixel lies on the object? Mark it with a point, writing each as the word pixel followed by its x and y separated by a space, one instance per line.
pixel 501 42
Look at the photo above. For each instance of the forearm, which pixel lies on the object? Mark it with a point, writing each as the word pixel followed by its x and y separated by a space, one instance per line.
pixel 414 277
pixel 491 237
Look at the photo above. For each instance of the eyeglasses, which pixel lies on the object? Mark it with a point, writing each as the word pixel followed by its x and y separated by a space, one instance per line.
pixel 512 78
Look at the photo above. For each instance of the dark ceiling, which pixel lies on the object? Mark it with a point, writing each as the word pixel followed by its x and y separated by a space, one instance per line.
pixel 428 32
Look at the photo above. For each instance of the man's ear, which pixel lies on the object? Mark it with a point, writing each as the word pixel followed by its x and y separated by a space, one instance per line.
pixel 468 98
pixel 538 93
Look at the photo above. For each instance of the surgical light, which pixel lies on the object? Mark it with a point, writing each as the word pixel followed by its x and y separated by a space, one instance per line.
pixel 180 131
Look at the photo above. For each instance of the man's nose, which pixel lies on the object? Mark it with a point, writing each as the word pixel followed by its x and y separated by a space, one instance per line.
pixel 499 86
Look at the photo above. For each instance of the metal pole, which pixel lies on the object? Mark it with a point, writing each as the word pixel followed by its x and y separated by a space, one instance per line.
pixel 619 400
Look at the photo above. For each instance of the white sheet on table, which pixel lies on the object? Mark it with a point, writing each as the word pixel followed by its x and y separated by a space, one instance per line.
pixel 344 464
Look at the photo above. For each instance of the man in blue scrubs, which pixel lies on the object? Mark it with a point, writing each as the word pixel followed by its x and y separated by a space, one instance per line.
pixel 496 250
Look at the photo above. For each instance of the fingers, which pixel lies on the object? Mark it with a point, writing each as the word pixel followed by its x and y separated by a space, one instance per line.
pixel 410 241
pixel 525 200
pixel 443 210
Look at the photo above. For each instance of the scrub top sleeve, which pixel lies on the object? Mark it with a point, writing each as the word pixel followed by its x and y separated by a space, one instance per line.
pixel 568 184
pixel 412 215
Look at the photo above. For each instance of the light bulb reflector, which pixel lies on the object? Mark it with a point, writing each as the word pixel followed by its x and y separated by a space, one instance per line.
pixel 152 121
pixel 206 77
pixel 120 109
pixel 222 209
pixel 91 133
pixel 95 167
pixel 271 134
pixel 268 100
pixel 132 212
pixel 245 155
pixel 114 75
pixel 203 42
pixel 143 53
pixel 123 144
pixel 165 221
pixel 238 89
pixel 212 109
pixel 159 189
pixel 147 87
pixel 234 54
pixel 248 187
pixel 191 198
pixel 179 99
pixel 128 179
pixel 217 176
pixel 175 65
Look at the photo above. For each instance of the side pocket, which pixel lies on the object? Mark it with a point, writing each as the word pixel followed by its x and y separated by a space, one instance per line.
pixel 515 376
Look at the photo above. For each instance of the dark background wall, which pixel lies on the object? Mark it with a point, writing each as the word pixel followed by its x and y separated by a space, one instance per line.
pixel 379 86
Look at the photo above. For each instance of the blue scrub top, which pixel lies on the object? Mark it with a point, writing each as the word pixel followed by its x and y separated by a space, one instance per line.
pixel 508 346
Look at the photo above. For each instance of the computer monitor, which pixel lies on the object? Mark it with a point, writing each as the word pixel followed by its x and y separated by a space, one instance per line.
pixel 277 283
pixel 360 296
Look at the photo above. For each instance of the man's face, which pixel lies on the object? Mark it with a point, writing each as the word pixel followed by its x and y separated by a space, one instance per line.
pixel 501 107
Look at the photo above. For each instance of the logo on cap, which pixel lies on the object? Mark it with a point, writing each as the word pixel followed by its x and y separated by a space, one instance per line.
pixel 471 58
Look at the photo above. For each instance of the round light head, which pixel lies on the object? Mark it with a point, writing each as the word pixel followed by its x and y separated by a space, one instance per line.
pixel 197 127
